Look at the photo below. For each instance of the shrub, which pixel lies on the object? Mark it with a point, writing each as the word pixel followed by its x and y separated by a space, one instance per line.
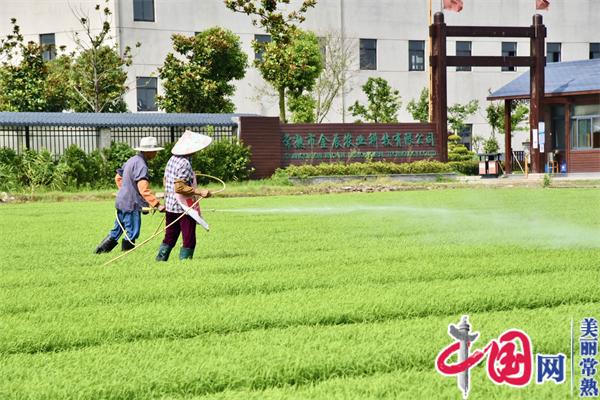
pixel 9 178
pixel 368 168
pixel 75 167
pixel 10 169
pixel 225 159
pixel 80 169
pixel 9 157
pixel 61 178
pixel 547 181
pixel 37 169
pixel 97 165
pixel 457 151
pixel 469 167
pixel 114 157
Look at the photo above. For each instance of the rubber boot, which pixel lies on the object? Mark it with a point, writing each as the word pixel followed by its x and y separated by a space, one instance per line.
pixel 106 245
pixel 163 252
pixel 126 245
pixel 186 253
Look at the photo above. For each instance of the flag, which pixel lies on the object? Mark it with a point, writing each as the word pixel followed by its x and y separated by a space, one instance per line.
pixel 454 5
pixel 542 4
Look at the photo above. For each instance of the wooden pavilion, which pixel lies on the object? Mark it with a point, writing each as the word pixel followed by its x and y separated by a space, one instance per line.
pixel 570 114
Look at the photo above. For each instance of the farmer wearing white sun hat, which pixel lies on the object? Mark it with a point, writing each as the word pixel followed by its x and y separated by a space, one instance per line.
pixel 134 193
pixel 180 189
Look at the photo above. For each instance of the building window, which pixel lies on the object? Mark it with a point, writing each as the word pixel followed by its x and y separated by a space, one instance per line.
pixel 463 49
pixel 416 55
pixel 48 44
pixel 466 136
pixel 146 93
pixel 585 133
pixel 368 54
pixel 143 10
pixel 262 39
pixel 553 52
pixel 509 49
pixel 594 50
pixel 585 126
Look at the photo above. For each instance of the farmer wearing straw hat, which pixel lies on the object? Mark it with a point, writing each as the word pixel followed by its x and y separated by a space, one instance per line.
pixel 134 193
pixel 181 190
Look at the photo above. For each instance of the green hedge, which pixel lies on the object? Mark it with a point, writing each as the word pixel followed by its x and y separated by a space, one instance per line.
pixel 378 168
pixel 228 160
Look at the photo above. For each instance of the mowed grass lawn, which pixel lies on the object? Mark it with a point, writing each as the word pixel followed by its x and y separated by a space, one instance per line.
pixel 320 297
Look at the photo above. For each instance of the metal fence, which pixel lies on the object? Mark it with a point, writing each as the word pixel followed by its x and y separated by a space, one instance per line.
pixel 168 134
pixel 56 139
pixel 518 160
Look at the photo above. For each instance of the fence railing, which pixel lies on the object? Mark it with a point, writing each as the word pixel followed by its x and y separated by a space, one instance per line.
pixel 518 159
pixel 56 139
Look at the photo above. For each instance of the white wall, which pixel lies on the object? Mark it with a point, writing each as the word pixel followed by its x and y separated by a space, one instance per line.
pixel 392 22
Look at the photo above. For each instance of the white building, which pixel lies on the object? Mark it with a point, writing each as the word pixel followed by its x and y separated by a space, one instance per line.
pixel 389 36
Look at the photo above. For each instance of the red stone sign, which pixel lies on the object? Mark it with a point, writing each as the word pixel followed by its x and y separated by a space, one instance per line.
pixel 276 145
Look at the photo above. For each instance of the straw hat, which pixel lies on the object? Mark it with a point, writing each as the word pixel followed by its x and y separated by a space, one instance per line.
pixel 190 142
pixel 148 143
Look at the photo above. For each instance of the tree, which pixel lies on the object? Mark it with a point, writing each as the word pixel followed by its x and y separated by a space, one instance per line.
pixel 292 69
pixel 420 109
pixel 90 79
pixel 98 76
pixel 383 102
pixel 289 62
pixel 31 84
pixel 303 109
pixel 198 78
pixel 495 116
pixel 22 86
pixel 58 91
pixel 333 81
pixel 458 113
pixel 265 13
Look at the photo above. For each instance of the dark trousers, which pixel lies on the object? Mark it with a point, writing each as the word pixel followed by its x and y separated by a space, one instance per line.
pixel 186 225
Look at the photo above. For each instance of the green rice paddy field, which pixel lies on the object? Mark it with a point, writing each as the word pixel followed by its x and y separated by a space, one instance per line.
pixel 301 297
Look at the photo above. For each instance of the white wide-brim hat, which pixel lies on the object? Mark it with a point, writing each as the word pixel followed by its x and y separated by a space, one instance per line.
pixel 190 142
pixel 148 143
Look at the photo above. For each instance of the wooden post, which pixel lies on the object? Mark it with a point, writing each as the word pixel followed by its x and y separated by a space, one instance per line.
pixel 507 137
pixel 429 73
pixel 568 135
pixel 536 75
pixel 437 33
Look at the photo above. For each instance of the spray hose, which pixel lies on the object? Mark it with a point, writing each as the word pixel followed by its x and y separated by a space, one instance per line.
pixel 158 231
